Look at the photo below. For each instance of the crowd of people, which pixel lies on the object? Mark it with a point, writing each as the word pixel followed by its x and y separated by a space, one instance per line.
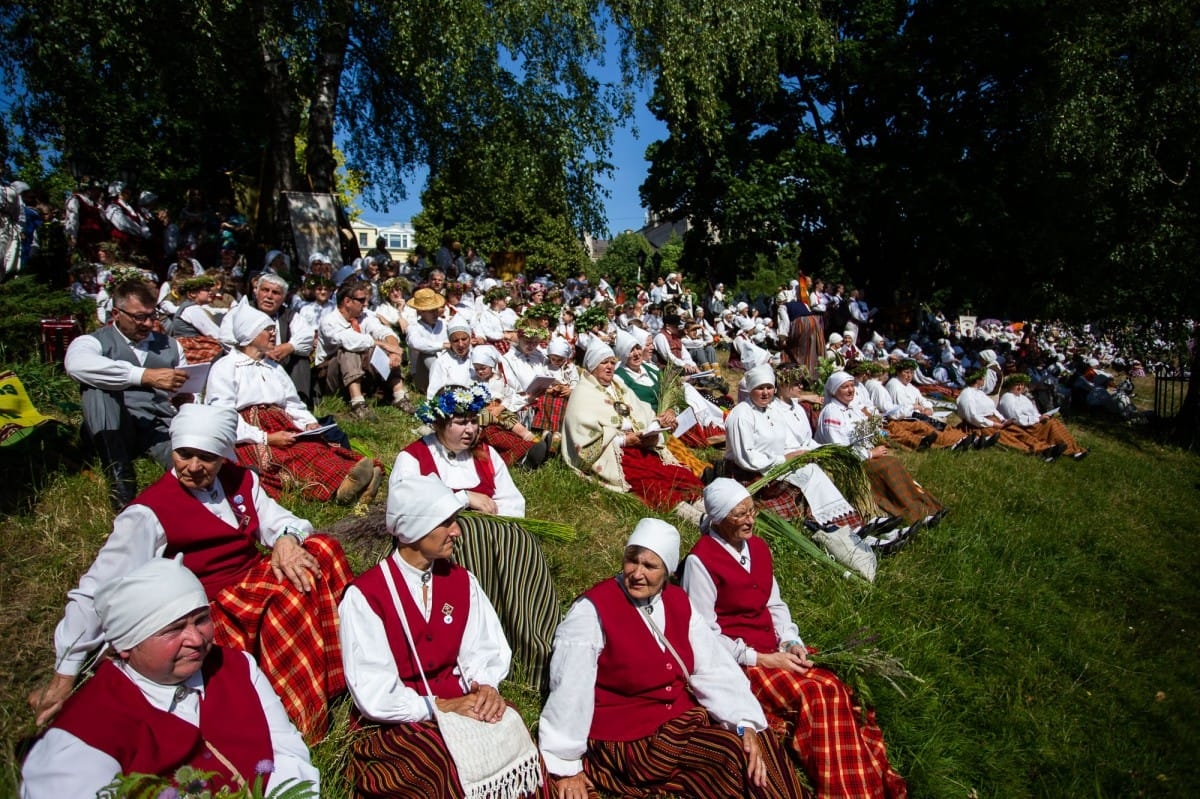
pixel 676 675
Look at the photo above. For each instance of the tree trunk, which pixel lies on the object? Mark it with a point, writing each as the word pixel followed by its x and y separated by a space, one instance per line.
pixel 279 163
pixel 330 59
pixel 1187 421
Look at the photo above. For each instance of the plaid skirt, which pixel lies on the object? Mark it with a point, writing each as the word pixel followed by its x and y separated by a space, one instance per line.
pixel 316 466
pixel 408 761
pixel 510 445
pixel 786 500
pixel 292 635
pixel 548 412
pixel 200 349
pixel 690 757
pixel 511 568
pixel 1049 432
pixel 816 715
pixel 1013 436
pixel 896 492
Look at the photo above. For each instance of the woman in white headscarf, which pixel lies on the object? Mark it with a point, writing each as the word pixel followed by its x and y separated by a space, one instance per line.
pixel 729 577
pixel 644 699
pixel 612 436
pixel 273 420
pixel 894 489
pixel 280 607
pixel 418 632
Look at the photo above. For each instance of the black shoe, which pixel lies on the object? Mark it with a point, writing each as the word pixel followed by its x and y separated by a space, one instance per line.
pixel 812 525
pixel 936 518
pixel 990 441
pixel 963 444
pixel 536 455
pixel 1078 456
pixel 927 441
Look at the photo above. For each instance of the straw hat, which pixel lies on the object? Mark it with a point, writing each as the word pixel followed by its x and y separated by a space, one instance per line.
pixel 426 300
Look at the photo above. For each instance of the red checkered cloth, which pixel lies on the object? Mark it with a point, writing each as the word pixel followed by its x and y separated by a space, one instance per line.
pixel 292 635
pixel 816 715
pixel 315 465
pixel 200 349
pixel 548 412
pixel 510 445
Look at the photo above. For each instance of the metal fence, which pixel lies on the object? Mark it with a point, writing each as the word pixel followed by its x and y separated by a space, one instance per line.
pixel 1169 393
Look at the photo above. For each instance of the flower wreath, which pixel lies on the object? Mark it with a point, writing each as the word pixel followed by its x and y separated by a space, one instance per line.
pixel 454 401
pixel 124 273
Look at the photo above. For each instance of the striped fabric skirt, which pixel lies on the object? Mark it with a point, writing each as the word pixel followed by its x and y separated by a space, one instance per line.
pixel 512 570
pixel 688 756
pixel 896 492
pixel 548 412
pixel 314 465
pixel 816 715
pixel 1052 431
pixel 1013 436
pixel 407 761
pixel 805 343
pixel 292 635
pixel 908 433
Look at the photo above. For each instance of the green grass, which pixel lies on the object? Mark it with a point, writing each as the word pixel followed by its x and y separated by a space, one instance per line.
pixel 1052 616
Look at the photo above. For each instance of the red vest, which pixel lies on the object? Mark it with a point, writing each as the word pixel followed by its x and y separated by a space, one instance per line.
pixel 91 220
pixel 741 596
pixel 483 467
pixel 438 642
pixel 111 714
pixel 220 555
pixel 638 686
pixel 674 341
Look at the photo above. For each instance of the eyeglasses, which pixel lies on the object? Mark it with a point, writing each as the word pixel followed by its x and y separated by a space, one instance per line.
pixel 357 299
pixel 744 515
pixel 140 318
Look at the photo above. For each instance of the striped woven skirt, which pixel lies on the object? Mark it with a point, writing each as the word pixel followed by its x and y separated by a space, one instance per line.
pixel 908 433
pixel 511 568
pixel 816 715
pixel 292 635
pixel 1013 436
pixel 407 761
pixel 896 492
pixel 314 465
pixel 688 756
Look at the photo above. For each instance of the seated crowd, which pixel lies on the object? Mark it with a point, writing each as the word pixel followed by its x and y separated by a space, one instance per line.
pixel 210 594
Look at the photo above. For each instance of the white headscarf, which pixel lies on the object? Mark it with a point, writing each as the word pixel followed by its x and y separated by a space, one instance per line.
pixel 560 347
pixel 836 381
pixel 416 505
pixel 721 496
pixel 134 607
pixel 624 345
pixel 248 323
pixel 660 538
pixel 210 428
pixel 597 353
pixel 485 355
pixel 457 324
pixel 758 376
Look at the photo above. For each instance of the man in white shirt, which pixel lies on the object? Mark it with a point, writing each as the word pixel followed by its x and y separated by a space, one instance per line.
pixel 345 343
pixel 127 374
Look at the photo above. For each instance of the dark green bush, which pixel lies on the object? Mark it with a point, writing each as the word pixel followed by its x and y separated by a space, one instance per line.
pixel 24 303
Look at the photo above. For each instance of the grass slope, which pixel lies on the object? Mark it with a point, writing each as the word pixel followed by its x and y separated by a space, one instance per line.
pixel 1052 616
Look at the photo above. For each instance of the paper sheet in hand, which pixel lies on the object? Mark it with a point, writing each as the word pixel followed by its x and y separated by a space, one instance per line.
pixel 197 378
pixel 379 361
pixel 698 375
pixel 316 431
pixel 538 385
pixel 685 421
pixel 1052 412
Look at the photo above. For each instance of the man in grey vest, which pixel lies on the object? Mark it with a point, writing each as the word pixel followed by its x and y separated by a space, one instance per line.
pixel 126 373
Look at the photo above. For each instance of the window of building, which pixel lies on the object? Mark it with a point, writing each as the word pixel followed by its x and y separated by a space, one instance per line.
pixel 398 241
pixel 364 239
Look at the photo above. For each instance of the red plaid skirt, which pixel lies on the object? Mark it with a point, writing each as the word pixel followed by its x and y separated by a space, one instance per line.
pixel 659 485
pixel 816 714
pixel 548 412
pixel 200 349
pixel 292 635
pixel 688 756
pixel 313 464
pixel 510 445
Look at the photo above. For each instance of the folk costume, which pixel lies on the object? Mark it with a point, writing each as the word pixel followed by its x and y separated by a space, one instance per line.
pixel 894 489
pixel 640 717
pixel 267 402
pixel 595 425
pixel 292 635
pixel 505 558
pixel 758 439
pixel 224 718
pixel 814 712
pixel 979 415
pixel 401 750
pixel 907 402
pixel 1048 431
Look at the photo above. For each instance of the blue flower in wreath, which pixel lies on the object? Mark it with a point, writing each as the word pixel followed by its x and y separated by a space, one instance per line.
pixel 454 401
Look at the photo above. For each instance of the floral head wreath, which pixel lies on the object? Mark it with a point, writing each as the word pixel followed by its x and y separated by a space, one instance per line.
pixel 594 316
pixel 793 375
pixel 317 281
pixel 393 283
pixel 546 311
pixel 124 274
pixel 196 283
pixel 906 363
pixel 529 328
pixel 495 293
pixel 452 401
pixel 1015 379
